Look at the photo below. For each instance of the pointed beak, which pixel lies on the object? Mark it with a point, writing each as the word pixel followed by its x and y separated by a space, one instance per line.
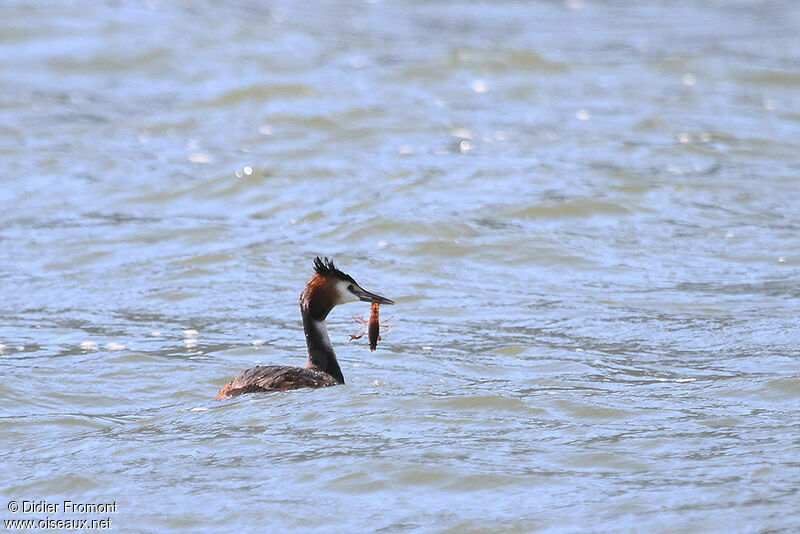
pixel 366 296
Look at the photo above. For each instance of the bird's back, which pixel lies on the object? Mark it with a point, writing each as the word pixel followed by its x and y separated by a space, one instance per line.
pixel 275 378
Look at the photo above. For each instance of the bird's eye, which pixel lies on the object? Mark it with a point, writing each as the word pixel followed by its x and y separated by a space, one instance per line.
pixel 351 288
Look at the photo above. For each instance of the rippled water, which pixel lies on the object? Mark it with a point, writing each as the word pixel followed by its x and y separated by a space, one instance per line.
pixel 587 213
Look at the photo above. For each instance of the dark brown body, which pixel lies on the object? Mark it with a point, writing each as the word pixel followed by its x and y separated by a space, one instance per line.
pixel 275 378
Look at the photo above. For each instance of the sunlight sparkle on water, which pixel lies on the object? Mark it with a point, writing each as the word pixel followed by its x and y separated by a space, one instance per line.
pixel 199 157
pixel 246 171
pixel 479 86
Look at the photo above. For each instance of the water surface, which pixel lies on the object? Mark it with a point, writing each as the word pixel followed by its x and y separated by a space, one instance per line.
pixel 587 214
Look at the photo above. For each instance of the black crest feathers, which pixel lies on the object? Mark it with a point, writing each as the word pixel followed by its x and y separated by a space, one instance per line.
pixel 325 267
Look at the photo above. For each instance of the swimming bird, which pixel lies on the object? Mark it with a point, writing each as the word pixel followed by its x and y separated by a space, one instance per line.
pixel 327 288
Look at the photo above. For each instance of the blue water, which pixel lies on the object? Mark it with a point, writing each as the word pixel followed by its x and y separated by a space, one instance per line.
pixel 586 213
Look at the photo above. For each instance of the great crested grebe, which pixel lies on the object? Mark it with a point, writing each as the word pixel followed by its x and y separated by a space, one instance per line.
pixel 327 287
